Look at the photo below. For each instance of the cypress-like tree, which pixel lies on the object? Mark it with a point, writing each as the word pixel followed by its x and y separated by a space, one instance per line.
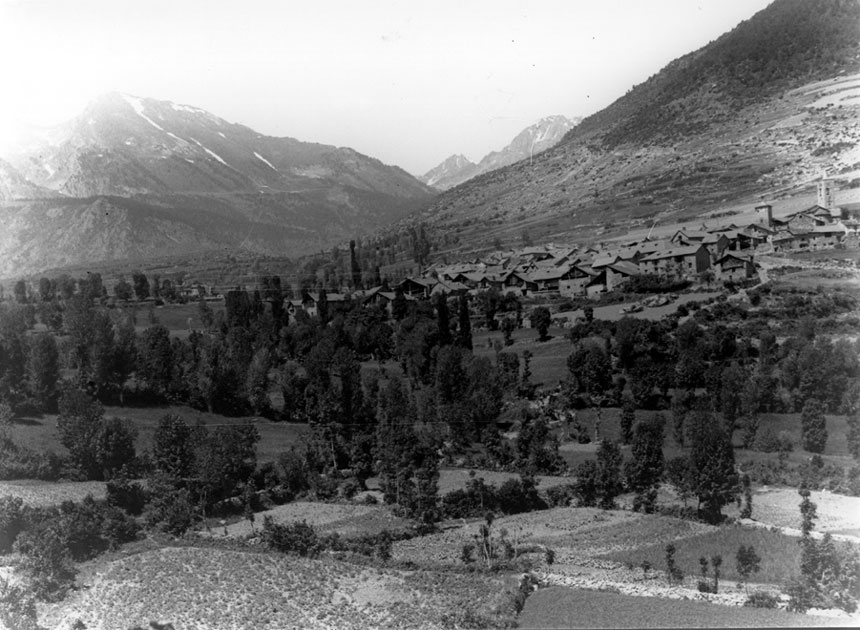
pixel 813 425
pixel 464 329
pixel 646 468
pixel 443 320
pixel 608 480
pixel 628 418
pixel 712 466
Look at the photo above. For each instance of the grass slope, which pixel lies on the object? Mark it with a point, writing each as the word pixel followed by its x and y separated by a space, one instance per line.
pixel 221 589
pixel 560 607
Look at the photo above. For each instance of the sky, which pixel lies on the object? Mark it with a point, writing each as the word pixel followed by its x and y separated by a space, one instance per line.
pixel 407 82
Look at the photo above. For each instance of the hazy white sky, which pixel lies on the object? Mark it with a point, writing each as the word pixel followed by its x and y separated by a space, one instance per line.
pixel 407 82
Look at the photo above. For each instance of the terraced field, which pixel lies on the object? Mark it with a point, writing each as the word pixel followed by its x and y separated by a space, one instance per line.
pixel 226 590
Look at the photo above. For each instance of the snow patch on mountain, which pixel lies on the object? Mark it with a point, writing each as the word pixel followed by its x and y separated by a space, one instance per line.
pixel 137 106
pixel 187 108
pixel 260 157
pixel 210 152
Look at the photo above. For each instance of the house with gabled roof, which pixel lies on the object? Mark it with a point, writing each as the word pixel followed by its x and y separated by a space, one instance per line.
pixel 678 262
pixel 448 287
pixel 578 280
pixel 734 267
pixel 416 287
pixel 618 273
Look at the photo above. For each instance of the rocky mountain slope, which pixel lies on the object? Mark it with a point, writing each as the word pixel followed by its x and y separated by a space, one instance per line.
pixel 538 137
pixel 130 176
pixel 761 112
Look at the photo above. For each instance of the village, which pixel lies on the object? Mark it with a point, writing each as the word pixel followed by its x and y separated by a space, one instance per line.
pixel 706 257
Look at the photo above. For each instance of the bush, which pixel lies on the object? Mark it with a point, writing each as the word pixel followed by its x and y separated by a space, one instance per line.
pixel 560 496
pixel 761 599
pixel 768 441
pixel 45 561
pixel 296 538
pixel 12 521
pixel 126 495
pixel 170 510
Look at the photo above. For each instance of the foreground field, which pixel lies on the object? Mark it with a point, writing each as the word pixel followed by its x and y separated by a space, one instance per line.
pixel 226 590
pixel 560 607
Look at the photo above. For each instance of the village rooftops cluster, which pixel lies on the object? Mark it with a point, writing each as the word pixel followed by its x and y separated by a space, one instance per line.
pixel 721 254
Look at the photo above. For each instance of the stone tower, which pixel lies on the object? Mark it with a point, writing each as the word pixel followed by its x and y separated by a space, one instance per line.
pixel 825 194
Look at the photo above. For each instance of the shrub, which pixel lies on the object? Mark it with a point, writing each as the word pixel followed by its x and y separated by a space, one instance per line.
pixel 126 495
pixel 45 561
pixel 170 510
pixel 673 572
pixel 761 599
pixel 12 521
pixel 561 496
pixel 296 538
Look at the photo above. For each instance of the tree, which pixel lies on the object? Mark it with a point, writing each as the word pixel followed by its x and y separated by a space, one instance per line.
pixel 813 426
pixel 854 436
pixel 443 320
pixel 123 290
pixel 257 381
pixel 608 480
pixel 46 560
pixel 80 425
pixel 99 449
pixel 173 449
pixel 540 320
pixel 464 321
pixel 712 466
pixel 155 358
pixel 747 562
pixel 509 325
pixel 140 284
pixel 590 367
pixel 43 371
pixel 645 470
pixel 20 292
pixel 628 418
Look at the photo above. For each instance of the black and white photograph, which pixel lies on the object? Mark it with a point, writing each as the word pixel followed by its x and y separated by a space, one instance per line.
pixel 466 314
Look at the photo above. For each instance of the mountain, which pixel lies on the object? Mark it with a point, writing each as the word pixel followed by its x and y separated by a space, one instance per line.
pixel 455 170
pixel 169 176
pixel 13 185
pixel 532 140
pixel 758 113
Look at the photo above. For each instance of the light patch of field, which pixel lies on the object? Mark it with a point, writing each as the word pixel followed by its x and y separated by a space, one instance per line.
pixel 780 553
pixel 613 312
pixel 345 519
pixel 780 507
pixel 47 493
pixel 560 607
pixel 573 533
pixel 225 590
pixel 451 479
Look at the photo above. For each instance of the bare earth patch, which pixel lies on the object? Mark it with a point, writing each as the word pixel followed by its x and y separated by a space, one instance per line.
pixel 345 519
pixel 46 493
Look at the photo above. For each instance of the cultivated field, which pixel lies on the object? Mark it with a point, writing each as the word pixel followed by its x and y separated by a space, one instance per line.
pixel 234 590
pixel 560 607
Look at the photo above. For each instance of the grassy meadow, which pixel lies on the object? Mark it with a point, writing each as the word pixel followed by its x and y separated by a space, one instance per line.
pixel 560 607
pixel 780 554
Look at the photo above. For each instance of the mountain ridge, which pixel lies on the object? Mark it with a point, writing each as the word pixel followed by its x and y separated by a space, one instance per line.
pixel 682 143
pixel 186 171
pixel 545 133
